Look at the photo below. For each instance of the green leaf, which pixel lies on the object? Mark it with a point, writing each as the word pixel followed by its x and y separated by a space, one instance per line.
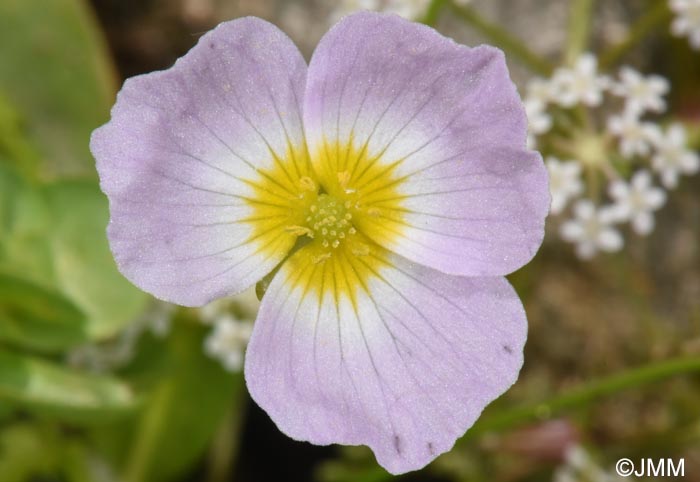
pixel 83 265
pixel 47 388
pixel 14 145
pixel 24 228
pixel 57 73
pixel 36 318
pixel 26 452
pixel 184 411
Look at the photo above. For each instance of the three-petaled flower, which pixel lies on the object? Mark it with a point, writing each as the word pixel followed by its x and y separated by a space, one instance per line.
pixel 388 188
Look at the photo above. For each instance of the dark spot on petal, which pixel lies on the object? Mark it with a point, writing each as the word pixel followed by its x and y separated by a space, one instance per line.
pixel 397 444
pixel 211 45
pixel 431 449
pixel 507 349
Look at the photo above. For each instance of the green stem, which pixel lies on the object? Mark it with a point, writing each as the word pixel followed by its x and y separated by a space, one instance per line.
pixel 154 419
pixel 585 394
pixel 433 12
pixel 580 17
pixel 225 446
pixel 502 39
pixel 654 17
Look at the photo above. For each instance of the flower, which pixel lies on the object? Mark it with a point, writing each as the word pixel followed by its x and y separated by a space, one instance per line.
pixel 635 136
pixel 227 342
pixel 564 182
pixel 580 83
pixel 641 93
pixel 346 7
pixel 386 186
pixel 637 200
pixel 687 20
pixel 579 466
pixel 591 230
pixel 673 157
pixel 411 9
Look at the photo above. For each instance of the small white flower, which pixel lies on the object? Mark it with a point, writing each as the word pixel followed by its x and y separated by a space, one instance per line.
pixel 580 83
pixel 636 201
pixel 539 89
pixel 346 7
pixel 687 20
pixel 635 136
pixel 673 157
pixel 410 9
pixel 564 182
pixel 214 310
pixel 641 93
pixel 538 120
pixel 227 342
pixel 591 230
pixel 580 467
pixel 158 318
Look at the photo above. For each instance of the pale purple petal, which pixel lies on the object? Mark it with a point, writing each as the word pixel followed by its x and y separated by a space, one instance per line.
pixel 404 361
pixel 179 156
pixel 472 199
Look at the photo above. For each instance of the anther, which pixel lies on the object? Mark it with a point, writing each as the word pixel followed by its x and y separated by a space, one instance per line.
pixel 299 231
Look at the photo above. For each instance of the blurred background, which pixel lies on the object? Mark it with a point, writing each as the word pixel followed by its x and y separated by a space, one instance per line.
pixel 100 382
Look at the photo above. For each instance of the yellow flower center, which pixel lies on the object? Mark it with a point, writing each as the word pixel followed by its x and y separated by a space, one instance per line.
pixel 345 207
pixel 329 220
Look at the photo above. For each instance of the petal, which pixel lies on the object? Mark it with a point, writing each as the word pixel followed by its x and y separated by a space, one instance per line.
pixel 433 136
pixel 378 351
pixel 200 161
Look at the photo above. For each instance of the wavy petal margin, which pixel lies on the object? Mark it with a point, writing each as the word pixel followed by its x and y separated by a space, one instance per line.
pixel 189 151
pixel 456 189
pixel 374 350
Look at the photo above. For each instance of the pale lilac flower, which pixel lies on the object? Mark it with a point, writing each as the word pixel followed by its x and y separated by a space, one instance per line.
pixel 227 341
pixel 641 93
pixel 564 182
pixel 591 230
pixel 580 84
pixel 635 136
pixel 636 201
pixel 687 20
pixel 672 156
pixel 387 184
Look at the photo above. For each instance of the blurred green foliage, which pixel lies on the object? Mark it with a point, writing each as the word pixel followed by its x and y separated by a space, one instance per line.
pixel 57 75
pixel 154 418
pixel 59 285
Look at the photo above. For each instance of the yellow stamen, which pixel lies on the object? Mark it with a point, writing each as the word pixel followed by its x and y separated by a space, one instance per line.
pixel 321 258
pixel 344 179
pixel 299 231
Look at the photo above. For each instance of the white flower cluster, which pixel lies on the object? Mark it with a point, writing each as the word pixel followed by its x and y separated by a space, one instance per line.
pixel 687 20
pixel 620 151
pixel 116 353
pixel 231 330
pixel 580 467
